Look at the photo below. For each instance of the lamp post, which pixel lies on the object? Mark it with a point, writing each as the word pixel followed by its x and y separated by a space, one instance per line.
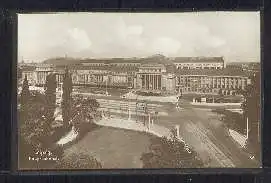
pixel 145 112
pixel 129 107
pixel 129 110
pixel 106 93
pixel 149 121
pixel 106 79
pixel 156 117
pixel 136 107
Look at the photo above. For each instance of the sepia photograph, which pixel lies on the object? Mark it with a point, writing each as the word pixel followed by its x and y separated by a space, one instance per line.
pixel 139 90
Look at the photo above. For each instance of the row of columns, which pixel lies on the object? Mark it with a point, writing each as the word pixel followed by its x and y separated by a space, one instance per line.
pixel 151 82
pixel 41 77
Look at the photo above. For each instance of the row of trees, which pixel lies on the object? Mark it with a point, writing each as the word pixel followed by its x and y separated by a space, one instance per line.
pixel 37 111
pixel 232 120
pixel 252 103
pixel 252 112
pixel 66 98
pixel 36 116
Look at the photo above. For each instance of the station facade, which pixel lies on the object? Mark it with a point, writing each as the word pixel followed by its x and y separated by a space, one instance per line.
pixel 158 75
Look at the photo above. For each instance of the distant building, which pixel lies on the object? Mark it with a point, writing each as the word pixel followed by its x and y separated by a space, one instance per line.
pixel 248 66
pixel 155 78
pixel 29 73
pixel 151 74
pixel 42 71
pixel 102 76
pixel 88 75
pixel 149 77
pixel 226 81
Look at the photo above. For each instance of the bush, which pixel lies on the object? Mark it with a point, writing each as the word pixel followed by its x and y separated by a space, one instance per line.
pixel 232 120
pixel 34 127
pixel 78 161
pixel 25 150
pixel 165 153
pixel 57 151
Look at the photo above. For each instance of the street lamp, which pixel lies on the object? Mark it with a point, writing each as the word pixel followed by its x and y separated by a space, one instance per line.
pixel 156 116
pixel 106 78
pixel 145 112
pixel 129 110
pixel 136 107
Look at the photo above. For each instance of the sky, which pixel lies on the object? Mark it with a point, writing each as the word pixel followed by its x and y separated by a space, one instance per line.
pixel 233 35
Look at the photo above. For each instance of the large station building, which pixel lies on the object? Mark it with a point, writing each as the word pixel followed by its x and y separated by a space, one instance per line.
pixel 151 74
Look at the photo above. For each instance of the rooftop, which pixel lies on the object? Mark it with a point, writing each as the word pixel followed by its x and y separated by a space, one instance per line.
pixel 197 59
pixel 109 68
pixel 113 60
pixel 158 58
pixel 212 72
pixel 153 65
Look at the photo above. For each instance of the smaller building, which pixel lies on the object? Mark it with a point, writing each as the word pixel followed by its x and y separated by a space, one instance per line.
pixel 42 71
pixel 29 73
pixel 59 72
pixel 109 76
pixel 224 81
pixel 88 75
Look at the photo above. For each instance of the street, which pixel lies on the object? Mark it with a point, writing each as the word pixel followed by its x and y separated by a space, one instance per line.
pixel 199 127
pixel 202 129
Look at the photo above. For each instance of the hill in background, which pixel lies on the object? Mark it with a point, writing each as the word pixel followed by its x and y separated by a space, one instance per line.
pixel 160 59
